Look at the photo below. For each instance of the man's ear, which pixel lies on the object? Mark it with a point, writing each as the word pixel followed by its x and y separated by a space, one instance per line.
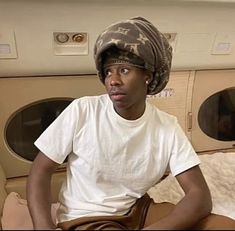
pixel 148 76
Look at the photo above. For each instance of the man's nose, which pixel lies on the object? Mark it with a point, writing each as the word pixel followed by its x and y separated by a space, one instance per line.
pixel 115 79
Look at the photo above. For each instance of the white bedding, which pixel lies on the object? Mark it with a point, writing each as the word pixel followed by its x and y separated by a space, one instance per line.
pixel 219 172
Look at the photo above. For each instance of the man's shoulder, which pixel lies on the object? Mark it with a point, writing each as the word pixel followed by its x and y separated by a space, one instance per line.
pixel 91 99
pixel 88 102
pixel 163 116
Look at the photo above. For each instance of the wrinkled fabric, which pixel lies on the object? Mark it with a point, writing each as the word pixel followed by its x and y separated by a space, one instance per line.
pixel 133 220
pixel 142 38
pixel 116 56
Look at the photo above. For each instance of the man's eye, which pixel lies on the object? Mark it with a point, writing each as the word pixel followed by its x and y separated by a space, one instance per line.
pixel 107 72
pixel 124 71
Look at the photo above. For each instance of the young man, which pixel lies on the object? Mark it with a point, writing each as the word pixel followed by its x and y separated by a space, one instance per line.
pixel 118 145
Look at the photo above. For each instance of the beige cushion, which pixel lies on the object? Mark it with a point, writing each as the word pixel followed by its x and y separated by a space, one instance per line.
pixel 16 215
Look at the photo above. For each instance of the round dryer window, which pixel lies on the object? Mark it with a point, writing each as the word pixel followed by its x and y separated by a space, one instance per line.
pixel 216 116
pixel 26 125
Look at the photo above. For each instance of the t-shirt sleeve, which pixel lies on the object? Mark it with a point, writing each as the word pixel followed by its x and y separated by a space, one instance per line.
pixel 183 155
pixel 56 141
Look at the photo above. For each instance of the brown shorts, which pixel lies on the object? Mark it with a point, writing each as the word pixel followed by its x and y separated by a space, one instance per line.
pixel 133 220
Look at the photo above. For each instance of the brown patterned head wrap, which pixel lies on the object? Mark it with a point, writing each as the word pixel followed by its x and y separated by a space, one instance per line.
pixel 141 38
pixel 114 55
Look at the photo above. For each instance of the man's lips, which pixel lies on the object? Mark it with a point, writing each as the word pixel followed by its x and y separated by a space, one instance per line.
pixel 117 96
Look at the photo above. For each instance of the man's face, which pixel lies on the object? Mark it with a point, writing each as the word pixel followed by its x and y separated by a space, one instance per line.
pixel 126 85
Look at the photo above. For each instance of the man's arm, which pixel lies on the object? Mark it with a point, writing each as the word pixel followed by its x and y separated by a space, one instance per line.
pixel 39 191
pixel 195 205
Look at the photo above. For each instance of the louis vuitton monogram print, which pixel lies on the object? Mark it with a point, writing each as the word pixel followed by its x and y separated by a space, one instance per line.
pixel 140 37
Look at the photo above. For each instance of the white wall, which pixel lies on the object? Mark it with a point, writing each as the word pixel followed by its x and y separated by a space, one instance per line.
pixel 197 23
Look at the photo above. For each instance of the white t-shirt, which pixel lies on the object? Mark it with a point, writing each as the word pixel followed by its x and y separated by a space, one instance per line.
pixel 112 161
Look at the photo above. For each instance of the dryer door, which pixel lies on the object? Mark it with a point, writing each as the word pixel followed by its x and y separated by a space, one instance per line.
pixel 213 110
